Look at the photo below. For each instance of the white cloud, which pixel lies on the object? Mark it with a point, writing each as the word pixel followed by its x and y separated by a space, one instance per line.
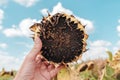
pixel 25 24
pixel 119 21
pixel 21 30
pixel 3 2
pixel 12 32
pixel 1 16
pixel 118 29
pixel 9 62
pixel 44 11
pixel 1 27
pixel 88 24
pixel 97 49
pixel 3 45
pixel 26 3
pixel 59 8
pixel 118 43
pixel 100 43
pixel 116 47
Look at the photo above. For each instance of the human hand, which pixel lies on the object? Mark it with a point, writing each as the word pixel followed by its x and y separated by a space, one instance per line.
pixel 35 67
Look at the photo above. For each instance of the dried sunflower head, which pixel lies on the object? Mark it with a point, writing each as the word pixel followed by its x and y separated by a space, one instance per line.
pixel 63 37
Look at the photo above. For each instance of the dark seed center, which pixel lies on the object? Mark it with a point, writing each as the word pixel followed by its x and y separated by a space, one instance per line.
pixel 62 42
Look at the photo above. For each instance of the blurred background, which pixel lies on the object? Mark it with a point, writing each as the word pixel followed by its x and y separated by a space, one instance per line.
pixel 101 17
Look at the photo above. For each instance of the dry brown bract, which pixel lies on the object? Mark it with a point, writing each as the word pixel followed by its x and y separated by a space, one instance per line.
pixel 63 37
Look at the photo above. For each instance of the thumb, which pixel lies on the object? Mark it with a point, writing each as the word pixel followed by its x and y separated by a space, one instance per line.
pixel 36 49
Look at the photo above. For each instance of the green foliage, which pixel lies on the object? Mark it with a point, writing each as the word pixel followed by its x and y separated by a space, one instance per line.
pixel 102 70
pixel 64 74
pixel 109 71
pixel 110 56
pixel 6 77
pixel 87 75
pixel 108 78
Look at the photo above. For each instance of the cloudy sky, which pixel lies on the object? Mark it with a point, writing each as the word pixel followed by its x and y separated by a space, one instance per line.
pixel 102 18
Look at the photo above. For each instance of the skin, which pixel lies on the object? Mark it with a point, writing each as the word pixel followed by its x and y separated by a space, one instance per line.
pixel 34 67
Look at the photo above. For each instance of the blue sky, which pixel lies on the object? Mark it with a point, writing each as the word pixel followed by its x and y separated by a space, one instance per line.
pixel 102 18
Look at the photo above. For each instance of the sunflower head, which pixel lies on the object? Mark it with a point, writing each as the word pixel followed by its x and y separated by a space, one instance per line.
pixel 63 37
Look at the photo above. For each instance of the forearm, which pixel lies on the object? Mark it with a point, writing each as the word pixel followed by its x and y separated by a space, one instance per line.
pixel 22 77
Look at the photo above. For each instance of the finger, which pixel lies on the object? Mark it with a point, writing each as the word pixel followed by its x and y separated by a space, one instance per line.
pixel 59 68
pixel 51 67
pixel 38 57
pixel 43 59
pixel 36 49
pixel 44 65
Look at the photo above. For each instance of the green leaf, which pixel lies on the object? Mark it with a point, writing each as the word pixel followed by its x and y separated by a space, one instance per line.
pixel 87 75
pixel 109 70
pixel 110 55
pixel 64 74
